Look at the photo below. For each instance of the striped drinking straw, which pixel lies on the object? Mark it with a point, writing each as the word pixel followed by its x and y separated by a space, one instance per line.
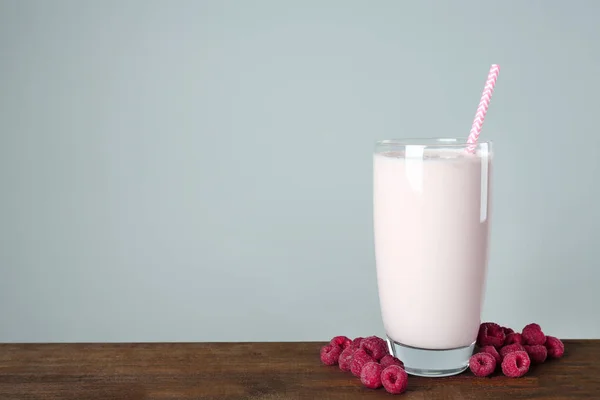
pixel 484 103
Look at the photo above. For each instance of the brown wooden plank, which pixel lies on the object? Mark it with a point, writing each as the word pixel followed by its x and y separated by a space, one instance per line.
pixel 265 371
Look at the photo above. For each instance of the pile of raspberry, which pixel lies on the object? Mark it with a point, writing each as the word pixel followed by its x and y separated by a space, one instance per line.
pixel 512 352
pixel 367 358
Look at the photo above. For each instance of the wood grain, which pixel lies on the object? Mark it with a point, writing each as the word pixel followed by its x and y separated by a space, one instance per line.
pixel 257 371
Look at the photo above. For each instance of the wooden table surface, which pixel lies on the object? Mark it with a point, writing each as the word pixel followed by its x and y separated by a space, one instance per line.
pixel 265 371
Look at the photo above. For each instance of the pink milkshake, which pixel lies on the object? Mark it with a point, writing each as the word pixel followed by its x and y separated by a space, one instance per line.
pixel 431 223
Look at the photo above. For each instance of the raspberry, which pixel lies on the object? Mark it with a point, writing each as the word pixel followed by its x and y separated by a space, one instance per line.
pixel 513 338
pixel 370 376
pixel 516 364
pixel 388 360
pixel 357 341
pixel 345 359
pixel 511 348
pixel 341 341
pixel 555 347
pixel 507 331
pixel 330 354
pixel 537 353
pixel 490 334
pixel 490 350
pixel 375 347
pixel 532 334
pixel 359 360
pixel 482 364
pixel 394 379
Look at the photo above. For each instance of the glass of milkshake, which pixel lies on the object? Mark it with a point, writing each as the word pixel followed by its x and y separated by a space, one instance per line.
pixel 431 224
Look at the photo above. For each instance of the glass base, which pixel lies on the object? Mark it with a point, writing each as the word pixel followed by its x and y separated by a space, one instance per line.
pixel 432 363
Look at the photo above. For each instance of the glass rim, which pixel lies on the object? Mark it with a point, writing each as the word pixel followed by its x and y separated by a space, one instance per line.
pixel 429 141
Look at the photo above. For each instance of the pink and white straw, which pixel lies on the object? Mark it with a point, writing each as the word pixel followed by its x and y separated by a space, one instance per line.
pixel 484 103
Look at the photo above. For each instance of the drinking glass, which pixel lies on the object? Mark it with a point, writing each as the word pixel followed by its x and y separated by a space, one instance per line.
pixel 431 201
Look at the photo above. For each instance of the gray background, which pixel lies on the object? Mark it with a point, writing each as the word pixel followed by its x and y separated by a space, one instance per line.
pixel 201 170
